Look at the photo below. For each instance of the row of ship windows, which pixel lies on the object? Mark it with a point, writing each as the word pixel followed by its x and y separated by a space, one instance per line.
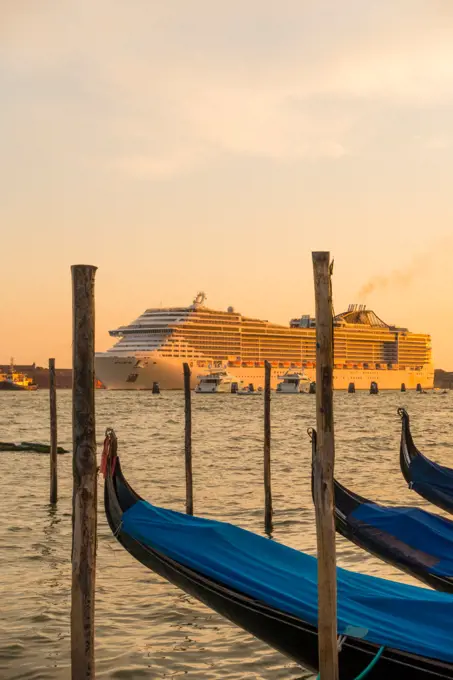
pixel 348 345
pixel 291 340
pixel 369 351
pixel 261 326
pixel 215 351
pixel 247 349
pixel 199 318
pixel 278 358
pixel 244 351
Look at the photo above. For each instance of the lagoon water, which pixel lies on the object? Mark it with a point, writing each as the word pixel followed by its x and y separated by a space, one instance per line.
pixel 145 627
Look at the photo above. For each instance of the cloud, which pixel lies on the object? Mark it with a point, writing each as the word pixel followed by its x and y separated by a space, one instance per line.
pixel 435 142
pixel 172 86
pixel 163 166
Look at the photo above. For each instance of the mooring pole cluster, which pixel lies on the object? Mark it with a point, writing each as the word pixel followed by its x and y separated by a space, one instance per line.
pixel 85 470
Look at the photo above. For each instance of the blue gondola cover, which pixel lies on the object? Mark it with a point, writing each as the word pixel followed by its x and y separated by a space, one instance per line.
pixel 395 615
pixel 424 472
pixel 424 532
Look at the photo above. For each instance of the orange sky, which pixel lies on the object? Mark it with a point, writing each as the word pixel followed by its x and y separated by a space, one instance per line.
pixel 185 146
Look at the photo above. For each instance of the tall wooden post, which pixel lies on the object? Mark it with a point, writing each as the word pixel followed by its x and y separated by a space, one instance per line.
pixel 267 449
pixel 324 470
pixel 53 433
pixel 84 500
pixel 188 440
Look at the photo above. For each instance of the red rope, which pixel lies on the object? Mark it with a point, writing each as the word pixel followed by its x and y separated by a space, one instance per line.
pixel 105 455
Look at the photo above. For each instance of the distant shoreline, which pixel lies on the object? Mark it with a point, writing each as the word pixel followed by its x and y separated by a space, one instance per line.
pixel 442 379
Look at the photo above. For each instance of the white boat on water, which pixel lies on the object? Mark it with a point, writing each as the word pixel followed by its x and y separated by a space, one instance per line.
pixel 217 382
pixel 294 383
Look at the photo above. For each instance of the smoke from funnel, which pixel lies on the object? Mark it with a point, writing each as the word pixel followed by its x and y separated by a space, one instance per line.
pixel 399 278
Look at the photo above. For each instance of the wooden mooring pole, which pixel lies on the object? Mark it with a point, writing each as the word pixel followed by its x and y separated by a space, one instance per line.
pixel 188 440
pixel 53 433
pixel 84 499
pixel 324 470
pixel 267 449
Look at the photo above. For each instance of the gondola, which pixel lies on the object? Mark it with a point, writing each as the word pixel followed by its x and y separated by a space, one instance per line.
pixel 417 542
pixel 270 590
pixel 430 480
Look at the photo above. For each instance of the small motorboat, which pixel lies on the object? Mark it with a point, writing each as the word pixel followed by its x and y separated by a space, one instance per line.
pixel 393 630
pixel 217 382
pixel 294 383
pixel 430 480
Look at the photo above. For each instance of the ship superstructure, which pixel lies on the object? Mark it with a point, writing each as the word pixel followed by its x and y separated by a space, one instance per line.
pixel 153 347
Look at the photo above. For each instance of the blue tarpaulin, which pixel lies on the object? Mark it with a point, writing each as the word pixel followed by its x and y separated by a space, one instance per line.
pixel 422 531
pixel 384 612
pixel 426 474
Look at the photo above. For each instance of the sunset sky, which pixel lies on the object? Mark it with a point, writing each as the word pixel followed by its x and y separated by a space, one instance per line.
pixel 212 145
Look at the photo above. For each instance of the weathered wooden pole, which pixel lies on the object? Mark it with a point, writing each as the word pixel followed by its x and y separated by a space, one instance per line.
pixel 267 449
pixel 53 432
pixel 188 440
pixel 324 469
pixel 84 499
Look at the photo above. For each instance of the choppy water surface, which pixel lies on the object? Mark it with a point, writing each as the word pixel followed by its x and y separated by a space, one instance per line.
pixel 146 628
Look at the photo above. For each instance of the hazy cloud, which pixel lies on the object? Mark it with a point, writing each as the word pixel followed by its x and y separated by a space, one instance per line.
pixel 170 86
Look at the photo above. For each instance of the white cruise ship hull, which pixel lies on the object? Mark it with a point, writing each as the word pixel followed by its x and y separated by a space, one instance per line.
pixel 139 373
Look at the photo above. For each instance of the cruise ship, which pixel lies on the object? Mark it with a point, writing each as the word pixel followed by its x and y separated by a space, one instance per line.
pixel 154 347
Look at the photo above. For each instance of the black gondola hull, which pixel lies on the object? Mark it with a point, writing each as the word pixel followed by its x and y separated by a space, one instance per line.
pixel 288 634
pixel 410 454
pixel 385 547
